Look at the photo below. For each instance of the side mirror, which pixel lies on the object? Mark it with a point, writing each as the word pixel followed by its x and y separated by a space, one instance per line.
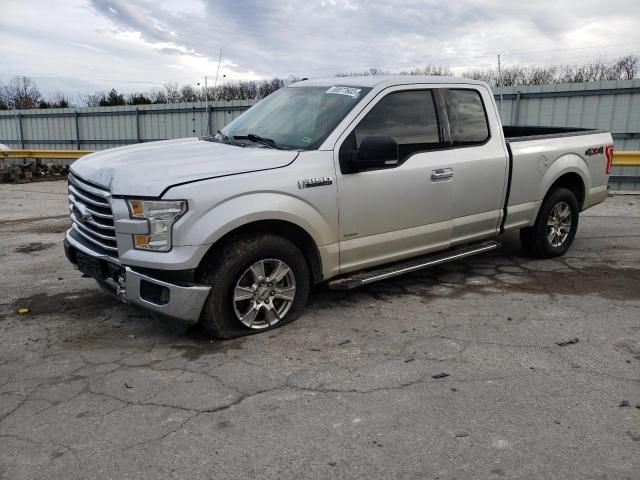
pixel 376 151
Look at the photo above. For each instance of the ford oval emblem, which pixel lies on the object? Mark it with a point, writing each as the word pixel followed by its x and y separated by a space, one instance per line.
pixel 84 214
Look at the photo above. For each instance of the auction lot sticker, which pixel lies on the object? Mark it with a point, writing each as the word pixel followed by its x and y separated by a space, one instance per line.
pixel 349 91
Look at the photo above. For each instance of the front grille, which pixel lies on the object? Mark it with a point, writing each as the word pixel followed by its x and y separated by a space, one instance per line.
pixel 91 216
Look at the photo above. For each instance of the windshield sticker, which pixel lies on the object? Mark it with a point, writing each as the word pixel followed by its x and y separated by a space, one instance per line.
pixel 349 91
pixel 306 139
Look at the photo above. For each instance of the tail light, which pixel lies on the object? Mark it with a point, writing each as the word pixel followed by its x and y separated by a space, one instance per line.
pixel 609 154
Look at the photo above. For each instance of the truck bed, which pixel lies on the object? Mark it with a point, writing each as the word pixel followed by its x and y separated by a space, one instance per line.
pixel 534 152
pixel 517 133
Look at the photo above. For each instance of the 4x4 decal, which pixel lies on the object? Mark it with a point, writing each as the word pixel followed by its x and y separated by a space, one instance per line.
pixel 594 151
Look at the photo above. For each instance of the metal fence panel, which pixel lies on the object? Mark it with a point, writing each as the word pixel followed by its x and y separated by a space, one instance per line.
pixel 97 128
pixel 613 105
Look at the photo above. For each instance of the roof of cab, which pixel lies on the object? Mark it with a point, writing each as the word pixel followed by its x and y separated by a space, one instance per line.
pixel 382 81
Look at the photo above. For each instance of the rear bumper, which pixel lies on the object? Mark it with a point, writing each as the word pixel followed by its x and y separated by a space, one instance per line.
pixel 594 196
pixel 182 302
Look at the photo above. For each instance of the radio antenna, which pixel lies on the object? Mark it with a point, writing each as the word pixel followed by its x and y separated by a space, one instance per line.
pixel 500 84
pixel 215 83
pixel 218 70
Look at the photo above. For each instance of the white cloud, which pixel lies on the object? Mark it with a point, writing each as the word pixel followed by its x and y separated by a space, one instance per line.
pixel 88 45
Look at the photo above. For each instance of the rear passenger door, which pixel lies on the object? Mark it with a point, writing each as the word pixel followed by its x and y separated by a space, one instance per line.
pixel 478 162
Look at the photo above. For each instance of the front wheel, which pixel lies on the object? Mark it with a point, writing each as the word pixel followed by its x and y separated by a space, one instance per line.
pixel 259 282
pixel 556 225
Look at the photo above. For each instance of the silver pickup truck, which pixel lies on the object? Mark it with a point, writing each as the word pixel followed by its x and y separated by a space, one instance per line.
pixel 339 180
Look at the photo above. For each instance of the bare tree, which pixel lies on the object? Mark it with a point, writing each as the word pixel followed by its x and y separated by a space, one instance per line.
pixel 541 75
pixel 624 68
pixel 157 96
pixel 267 87
pixel 629 66
pixel 429 69
pixel 433 70
pixel 93 99
pixel 22 93
pixel 487 76
pixel 4 104
pixel 188 93
pixel 591 72
pixel 512 76
pixel 364 73
pixel 172 92
pixel 248 89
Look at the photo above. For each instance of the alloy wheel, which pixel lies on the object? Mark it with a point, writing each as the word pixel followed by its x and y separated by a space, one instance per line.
pixel 264 293
pixel 559 224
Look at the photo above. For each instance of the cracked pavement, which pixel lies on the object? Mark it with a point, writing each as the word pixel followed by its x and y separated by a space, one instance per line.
pixel 91 388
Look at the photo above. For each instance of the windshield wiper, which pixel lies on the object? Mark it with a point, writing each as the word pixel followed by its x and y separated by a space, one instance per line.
pixel 252 137
pixel 221 138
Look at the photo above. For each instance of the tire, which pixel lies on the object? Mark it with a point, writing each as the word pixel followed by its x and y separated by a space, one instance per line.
pixel 246 297
pixel 544 240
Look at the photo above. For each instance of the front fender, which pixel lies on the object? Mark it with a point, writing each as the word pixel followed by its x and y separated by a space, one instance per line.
pixel 237 211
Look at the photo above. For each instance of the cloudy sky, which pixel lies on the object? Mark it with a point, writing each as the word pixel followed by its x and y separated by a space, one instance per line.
pixel 80 46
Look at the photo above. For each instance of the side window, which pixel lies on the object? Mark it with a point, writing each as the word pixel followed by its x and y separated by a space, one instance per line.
pixel 409 117
pixel 467 117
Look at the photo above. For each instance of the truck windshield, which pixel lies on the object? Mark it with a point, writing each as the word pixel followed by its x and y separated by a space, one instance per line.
pixel 296 117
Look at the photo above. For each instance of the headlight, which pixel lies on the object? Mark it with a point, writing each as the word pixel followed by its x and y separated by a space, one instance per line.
pixel 161 215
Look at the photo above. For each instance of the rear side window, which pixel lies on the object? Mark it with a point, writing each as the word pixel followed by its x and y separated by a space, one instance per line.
pixel 409 117
pixel 467 117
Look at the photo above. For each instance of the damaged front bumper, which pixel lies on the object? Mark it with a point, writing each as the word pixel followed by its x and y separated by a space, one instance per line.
pixel 181 301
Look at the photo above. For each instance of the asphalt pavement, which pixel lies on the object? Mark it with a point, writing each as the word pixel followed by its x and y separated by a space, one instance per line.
pixel 499 366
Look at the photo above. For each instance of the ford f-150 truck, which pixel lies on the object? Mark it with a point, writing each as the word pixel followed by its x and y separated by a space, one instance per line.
pixel 340 180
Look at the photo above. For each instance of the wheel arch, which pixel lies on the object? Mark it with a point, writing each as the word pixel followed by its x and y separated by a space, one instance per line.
pixel 286 229
pixel 571 181
pixel 569 171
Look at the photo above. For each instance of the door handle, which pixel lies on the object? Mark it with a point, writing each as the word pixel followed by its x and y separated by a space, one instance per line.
pixel 441 174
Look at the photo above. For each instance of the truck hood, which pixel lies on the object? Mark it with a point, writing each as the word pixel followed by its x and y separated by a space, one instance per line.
pixel 148 169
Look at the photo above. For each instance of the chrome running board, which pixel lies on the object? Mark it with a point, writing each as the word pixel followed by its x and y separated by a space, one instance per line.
pixel 361 278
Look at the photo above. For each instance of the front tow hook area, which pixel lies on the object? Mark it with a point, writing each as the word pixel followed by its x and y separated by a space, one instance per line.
pixel 121 288
pixel 179 302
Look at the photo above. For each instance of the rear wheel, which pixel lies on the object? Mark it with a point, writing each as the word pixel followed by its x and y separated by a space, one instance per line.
pixel 555 227
pixel 259 282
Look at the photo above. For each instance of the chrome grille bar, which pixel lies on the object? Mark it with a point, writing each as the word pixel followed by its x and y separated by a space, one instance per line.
pixel 91 215
pixel 88 188
pixel 85 226
pixel 95 213
pixel 87 199
pixel 93 222
pixel 93 240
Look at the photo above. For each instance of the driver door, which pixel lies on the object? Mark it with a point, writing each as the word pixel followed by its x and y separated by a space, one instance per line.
pixel 396 211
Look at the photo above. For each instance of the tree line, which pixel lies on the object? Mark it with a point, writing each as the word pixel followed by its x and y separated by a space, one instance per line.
pixel 22 92
pixel 623 68
pixel 174 93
